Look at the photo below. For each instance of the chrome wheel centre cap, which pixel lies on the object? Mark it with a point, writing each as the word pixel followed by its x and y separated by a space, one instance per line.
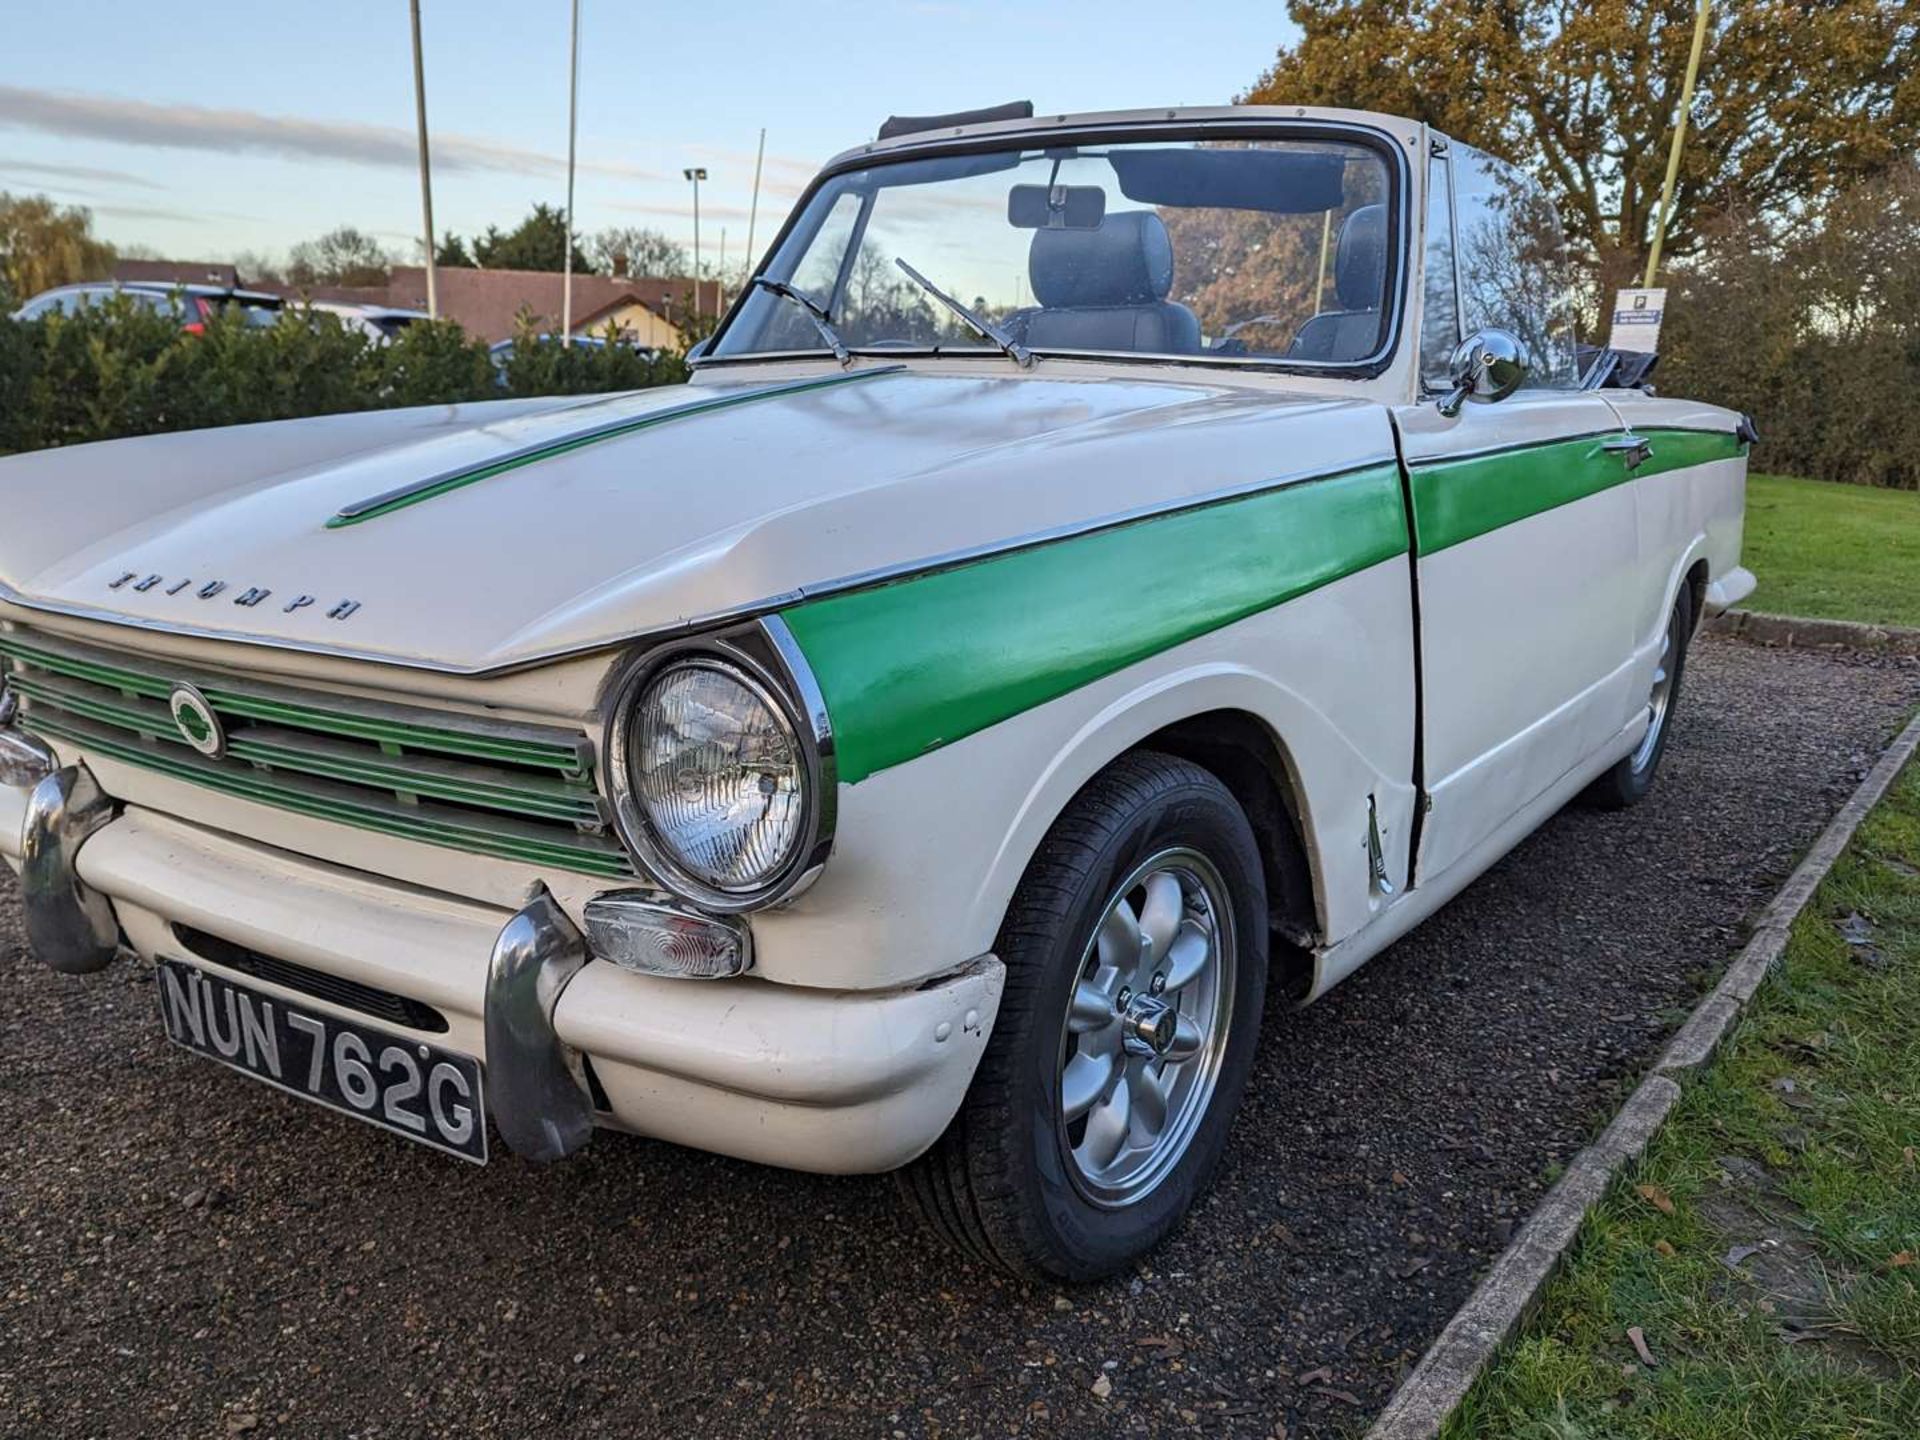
pixel 1149 1026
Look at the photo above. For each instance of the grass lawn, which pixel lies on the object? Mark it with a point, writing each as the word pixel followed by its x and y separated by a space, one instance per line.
pixel 1834 552
pixel 1768 1243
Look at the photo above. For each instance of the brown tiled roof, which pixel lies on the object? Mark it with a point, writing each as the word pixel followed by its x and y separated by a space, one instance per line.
pixel 488 302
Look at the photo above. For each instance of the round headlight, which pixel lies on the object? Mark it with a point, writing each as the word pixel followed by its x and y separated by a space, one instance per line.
pixel 717 774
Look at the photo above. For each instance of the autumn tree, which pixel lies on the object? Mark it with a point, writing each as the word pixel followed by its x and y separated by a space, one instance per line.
pixel 1795 98
pixel 345 256
pixel 43 245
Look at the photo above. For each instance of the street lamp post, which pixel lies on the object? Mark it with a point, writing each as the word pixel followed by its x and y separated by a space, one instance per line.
pixel 696 174
pixel 573 130
pixel 1679 142
pixel 426 174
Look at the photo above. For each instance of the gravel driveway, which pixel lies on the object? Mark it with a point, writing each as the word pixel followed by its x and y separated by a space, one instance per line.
pixel 185 1252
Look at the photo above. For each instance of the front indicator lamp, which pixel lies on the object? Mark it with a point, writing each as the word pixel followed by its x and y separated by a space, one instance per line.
pixel 637 933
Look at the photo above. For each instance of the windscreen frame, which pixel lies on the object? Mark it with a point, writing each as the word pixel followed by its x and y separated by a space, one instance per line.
pixel 1399 223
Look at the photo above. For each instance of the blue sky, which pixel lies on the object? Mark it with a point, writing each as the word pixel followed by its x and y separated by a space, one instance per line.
pixel 209 128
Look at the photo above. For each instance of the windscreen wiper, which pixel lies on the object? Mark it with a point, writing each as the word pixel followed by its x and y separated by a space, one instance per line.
pixel 813 310
pixel 1015 351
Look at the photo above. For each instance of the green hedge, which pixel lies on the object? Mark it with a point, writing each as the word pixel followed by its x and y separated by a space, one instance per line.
pixel 121 369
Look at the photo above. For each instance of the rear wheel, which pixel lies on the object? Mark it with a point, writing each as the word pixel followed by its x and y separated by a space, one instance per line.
pixel 1136 954
pixel 1629 781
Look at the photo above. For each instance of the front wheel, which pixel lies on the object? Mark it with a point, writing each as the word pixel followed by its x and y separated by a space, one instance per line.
pixel 1136 954
pixel 1628 782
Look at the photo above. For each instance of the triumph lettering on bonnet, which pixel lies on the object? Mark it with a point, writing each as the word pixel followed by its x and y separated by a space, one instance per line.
pixel 249 597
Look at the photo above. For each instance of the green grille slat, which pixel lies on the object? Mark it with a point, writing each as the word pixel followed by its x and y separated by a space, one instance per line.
pixel 83 669
pixel 489 788
pixel 584 854
pixel 253 705
pixel 467 785
pixel 135 715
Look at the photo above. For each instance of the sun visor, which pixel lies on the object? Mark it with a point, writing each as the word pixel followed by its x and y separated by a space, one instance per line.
pixel 1283 182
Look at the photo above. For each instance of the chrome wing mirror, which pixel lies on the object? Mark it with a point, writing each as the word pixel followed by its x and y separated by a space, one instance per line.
pixel 1488 365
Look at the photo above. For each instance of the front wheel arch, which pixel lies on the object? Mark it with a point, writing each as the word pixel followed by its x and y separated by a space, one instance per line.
pixel 1244 754
pixel 1321 775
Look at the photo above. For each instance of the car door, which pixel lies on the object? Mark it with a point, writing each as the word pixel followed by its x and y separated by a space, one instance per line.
pixel 1525 535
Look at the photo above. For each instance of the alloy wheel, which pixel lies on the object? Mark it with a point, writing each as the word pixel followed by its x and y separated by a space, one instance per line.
pixel 1146 1027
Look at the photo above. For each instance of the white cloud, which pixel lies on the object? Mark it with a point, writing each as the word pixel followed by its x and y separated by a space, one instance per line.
pixel 73 172
pixel 195 127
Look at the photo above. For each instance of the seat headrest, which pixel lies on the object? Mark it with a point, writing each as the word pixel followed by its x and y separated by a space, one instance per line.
pixel 1126 260
pixel 1360 261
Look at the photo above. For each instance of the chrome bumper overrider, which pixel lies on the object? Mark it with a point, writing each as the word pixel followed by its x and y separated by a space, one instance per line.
pixel 540 1107
pixel 69 925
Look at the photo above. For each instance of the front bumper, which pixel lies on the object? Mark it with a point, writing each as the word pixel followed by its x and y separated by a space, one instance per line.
pixel 826 1080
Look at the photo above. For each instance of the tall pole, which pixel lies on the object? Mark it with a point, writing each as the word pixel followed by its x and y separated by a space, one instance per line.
pixel 426 176
pixel 696 174
pixel 1679 140
pixel 720 285
pixel 753 210
pixel 573 127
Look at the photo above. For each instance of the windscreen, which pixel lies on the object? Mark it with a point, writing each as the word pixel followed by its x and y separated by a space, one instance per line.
pixel 1272 250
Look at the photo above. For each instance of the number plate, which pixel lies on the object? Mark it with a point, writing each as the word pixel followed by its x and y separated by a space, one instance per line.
pixel 419 1091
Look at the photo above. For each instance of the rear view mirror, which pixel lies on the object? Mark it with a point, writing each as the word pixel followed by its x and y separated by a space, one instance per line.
pixel 1488 365
pixel 1056 207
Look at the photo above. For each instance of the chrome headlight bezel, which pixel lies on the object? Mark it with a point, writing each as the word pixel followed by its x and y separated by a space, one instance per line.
pixel 764 657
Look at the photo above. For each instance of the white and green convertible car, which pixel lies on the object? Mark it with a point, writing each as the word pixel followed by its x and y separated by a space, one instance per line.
pixel 1108 574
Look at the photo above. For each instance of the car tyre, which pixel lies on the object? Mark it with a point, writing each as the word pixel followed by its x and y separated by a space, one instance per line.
pixel 1016 1180
pixel 1631 779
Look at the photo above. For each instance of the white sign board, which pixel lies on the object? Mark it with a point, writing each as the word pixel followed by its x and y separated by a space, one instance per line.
pixel 1636 321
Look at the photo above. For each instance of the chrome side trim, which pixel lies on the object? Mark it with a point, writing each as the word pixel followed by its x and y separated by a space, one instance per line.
pixel 746 610
pixel 542 1110
pixel 69 925
pixel 825 762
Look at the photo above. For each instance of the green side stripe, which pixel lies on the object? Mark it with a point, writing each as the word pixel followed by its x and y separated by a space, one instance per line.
pixel 429 489
pixel 914 665
pixel 1457 500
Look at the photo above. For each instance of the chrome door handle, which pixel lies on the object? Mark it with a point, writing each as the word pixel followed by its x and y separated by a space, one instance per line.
pixel 1636 450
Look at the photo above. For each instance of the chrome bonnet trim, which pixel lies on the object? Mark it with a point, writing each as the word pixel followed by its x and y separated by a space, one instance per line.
pixel 70 925
pixel 435 485
pixel 541 1109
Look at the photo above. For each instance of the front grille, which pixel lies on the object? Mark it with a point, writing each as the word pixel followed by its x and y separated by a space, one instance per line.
pixel 516 792
pixel 291 975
